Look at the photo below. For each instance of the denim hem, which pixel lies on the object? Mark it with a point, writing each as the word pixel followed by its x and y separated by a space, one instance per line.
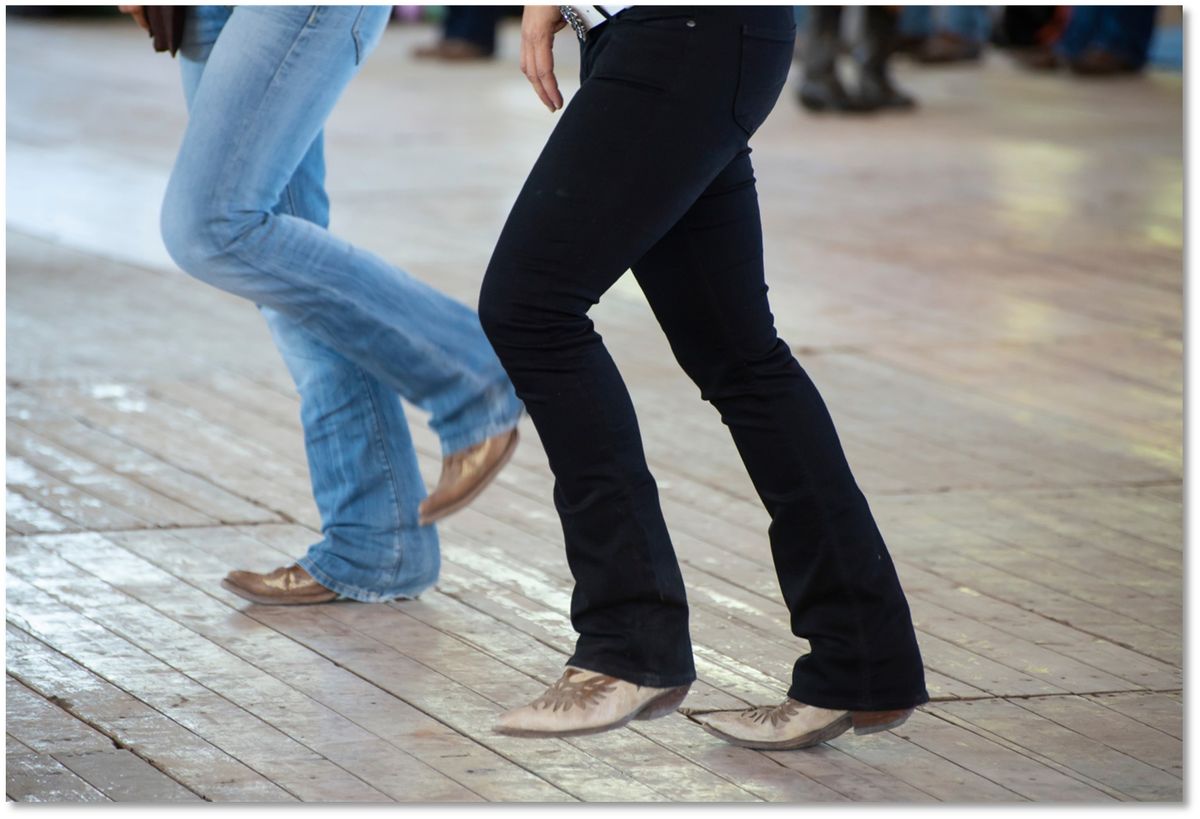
pixel 888 703
pixel 636 677
pixel 457 443
pixel 355 592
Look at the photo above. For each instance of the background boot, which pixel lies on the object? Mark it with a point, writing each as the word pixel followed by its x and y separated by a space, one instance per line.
pixel 821 89
pixel 875 88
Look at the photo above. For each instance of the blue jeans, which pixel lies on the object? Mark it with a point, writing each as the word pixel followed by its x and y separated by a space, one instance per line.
pixel 246 211
pixel 1122 30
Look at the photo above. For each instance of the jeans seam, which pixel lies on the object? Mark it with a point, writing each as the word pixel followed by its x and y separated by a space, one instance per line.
pixel 387 464
pixel 239 159
pixel 356 35
pixel 291 199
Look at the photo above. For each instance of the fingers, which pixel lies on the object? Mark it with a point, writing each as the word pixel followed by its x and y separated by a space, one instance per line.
pixel 538 27
pixel 138 13
pixel 537 64
pixel 544 65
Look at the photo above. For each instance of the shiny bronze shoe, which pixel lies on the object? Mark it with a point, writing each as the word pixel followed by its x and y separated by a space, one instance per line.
pixel 467 473
pixel 792 725
pixel 286 586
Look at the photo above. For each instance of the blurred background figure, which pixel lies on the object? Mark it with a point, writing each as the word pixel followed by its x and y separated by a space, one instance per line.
pixel 468 33
pixel 1099 41
pixel 944 34
pixel 1028 27
pixel 822 90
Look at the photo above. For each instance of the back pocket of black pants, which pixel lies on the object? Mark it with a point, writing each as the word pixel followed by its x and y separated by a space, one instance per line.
pixel 762 72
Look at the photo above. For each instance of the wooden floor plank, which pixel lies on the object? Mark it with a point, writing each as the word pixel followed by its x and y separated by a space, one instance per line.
pixel 14 746
pixel 44 727
pixel 344 694
pixel 271 701
pixel 1130 776
pixel 1124 734
pixel 26 517
pixel 76 437
pixel 117 491
pixel 123 777
pixel 131 723
pixel 1038 662
pixel 245 469
pixel 307 721
pixel 66 501
pixel 1048 602
pixel 42 778
pixel 1132 669
pixel 234 730
pixel 1133 519
pixel 1161 711
pixel 940 777
pixel 1024 777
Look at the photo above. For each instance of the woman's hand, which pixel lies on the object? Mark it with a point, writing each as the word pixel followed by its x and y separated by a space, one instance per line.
pixel 539 24
pixel 138 13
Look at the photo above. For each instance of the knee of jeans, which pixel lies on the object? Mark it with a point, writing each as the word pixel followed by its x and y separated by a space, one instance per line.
pixel 198 234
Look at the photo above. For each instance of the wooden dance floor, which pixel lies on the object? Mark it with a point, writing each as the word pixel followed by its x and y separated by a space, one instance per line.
pixel 988 292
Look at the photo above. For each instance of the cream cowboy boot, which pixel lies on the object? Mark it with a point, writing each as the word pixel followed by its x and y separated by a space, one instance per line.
pixel 793 724
pixel 586 702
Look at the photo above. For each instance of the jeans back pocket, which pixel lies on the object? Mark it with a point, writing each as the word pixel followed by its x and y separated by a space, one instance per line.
pixel 763 68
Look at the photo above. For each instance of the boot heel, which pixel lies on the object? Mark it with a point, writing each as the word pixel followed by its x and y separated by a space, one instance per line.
pixel 872 722
pixel 664 703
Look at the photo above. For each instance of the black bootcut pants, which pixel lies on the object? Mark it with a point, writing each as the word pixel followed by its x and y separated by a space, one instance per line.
pixel 649 169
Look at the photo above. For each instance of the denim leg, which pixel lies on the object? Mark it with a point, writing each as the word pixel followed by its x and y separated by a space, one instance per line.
pixel 916 21
pixel 1081 30
pixel 365 477
pixel 969 22
pixel 270 81
pixel 1127 31
pixel 362 464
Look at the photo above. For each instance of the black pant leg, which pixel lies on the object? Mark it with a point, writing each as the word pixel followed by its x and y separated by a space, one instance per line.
pixel 475 24
pixel 705 282
pixel 668 99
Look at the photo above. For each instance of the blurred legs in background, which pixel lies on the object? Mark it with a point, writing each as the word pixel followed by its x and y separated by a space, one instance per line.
pixel 945 34
pixel 1107 39
pixel 468 33
pixel 1099 41
pixel 822 90
pixel 246 210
